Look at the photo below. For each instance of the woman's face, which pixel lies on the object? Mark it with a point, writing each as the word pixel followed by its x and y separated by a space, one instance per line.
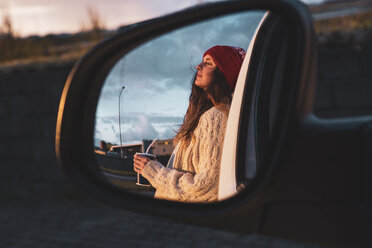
pixel 205 70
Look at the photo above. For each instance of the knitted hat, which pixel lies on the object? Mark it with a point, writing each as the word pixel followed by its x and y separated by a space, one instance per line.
pixel 229 60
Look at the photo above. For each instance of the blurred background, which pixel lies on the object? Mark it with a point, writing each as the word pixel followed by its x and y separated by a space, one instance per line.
pixel 40 41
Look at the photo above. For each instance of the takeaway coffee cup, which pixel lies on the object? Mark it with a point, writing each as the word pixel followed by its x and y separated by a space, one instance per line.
pixel 140 179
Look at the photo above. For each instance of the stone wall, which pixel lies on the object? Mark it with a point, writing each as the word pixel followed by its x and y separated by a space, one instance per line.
pixel 29 98
pixel 344 85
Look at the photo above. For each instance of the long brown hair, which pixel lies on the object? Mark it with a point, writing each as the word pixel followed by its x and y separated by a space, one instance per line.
pixel 217 94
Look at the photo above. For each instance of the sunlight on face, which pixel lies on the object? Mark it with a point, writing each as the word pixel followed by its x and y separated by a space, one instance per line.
pixel 205 72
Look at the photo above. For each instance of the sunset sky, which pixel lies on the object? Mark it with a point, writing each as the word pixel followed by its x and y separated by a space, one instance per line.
pixel 45 16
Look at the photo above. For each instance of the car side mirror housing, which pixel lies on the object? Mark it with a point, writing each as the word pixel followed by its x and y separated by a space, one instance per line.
pixel 274 93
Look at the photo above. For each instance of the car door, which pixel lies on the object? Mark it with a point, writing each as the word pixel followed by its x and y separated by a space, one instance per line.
pixel 257 100
pixel 229 184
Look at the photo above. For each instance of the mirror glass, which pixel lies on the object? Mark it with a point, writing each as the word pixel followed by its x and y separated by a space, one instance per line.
pixel 145 96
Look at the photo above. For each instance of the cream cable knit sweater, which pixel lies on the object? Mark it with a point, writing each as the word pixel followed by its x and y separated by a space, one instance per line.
pixel 195 173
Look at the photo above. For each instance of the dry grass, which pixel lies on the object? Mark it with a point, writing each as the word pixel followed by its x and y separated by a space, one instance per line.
pixel 351 23
pixel 23 51
pixel 349 30
pixel 42 60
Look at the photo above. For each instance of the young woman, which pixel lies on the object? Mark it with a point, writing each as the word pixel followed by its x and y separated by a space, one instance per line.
pixel 192 173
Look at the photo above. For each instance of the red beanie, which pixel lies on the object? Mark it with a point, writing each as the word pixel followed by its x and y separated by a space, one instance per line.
pixel 229 60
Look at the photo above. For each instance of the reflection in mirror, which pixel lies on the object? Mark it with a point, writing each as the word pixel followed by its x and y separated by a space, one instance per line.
pixel 144 101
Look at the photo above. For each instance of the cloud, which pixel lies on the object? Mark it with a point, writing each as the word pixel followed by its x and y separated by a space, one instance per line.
pixel 168 133
pixel 32 10
pixel 136 126
pixel 132 117
pixel 169 61
pixel 141 129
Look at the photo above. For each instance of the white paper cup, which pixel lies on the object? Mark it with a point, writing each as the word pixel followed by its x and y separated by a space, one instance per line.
pixel 140 179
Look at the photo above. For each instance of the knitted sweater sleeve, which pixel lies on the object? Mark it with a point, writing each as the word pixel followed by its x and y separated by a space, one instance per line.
pixel 202 185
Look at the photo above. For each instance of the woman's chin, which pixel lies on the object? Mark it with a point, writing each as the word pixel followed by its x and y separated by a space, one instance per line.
pixel 199 85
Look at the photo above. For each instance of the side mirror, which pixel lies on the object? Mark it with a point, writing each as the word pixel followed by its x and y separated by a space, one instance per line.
pixel 274 92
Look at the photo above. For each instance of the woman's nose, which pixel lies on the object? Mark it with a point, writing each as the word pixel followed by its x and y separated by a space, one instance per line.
pixel 198 67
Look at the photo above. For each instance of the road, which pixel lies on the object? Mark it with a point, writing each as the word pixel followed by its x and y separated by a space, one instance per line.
pixel 54 224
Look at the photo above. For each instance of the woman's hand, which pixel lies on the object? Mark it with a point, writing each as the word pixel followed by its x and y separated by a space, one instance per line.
pixel 139 162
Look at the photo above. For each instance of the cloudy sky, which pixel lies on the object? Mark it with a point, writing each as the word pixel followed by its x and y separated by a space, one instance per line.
pixel 157 78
